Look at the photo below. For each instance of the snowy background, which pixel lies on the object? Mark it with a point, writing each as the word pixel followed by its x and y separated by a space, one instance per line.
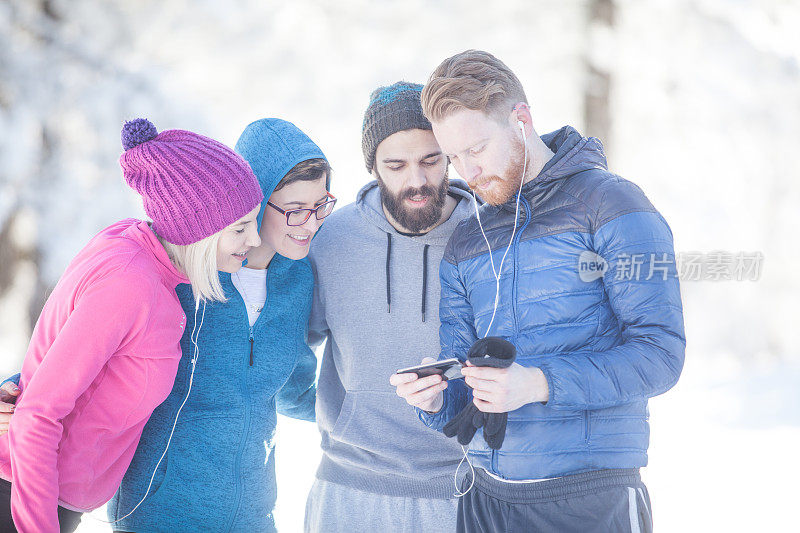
pixel 696 101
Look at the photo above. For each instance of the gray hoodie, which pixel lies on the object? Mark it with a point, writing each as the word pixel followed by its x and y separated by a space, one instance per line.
pixel 376 300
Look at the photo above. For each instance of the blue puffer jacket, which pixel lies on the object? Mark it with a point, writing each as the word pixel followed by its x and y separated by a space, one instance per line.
pixel 606 341
pixel 219 472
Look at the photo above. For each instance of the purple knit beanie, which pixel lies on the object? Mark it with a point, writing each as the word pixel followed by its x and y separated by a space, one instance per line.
pixel 192 186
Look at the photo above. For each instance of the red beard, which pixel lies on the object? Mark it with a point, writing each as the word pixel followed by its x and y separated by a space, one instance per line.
pixel 506 187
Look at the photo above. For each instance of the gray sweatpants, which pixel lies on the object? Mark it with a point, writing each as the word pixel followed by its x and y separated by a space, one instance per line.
pixel 334 508
pixel 603 501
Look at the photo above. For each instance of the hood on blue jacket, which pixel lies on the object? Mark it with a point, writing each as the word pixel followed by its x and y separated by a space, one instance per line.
pixel 273 147
pixel 572 153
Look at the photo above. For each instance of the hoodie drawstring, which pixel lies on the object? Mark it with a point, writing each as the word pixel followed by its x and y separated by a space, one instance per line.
pixel 424 278
pixel 388 277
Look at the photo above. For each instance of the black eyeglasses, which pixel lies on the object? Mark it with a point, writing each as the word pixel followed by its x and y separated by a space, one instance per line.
pixel 298 217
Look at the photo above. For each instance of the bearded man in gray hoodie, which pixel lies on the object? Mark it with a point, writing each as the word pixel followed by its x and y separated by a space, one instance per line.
pixel 376 303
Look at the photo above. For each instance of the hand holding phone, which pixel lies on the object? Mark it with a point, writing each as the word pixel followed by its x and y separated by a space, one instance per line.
pixel 421 386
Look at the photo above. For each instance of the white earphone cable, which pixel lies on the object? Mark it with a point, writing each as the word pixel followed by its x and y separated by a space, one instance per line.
pixel 193 362
pixel 497 274
pixel 458 493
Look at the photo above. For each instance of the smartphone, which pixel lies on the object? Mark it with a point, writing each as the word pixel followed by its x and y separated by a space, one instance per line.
pixel 447 368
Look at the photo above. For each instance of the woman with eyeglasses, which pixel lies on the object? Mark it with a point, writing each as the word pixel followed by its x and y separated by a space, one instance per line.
pixel 219 471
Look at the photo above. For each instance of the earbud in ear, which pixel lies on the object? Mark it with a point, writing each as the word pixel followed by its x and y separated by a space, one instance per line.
pixel 521 126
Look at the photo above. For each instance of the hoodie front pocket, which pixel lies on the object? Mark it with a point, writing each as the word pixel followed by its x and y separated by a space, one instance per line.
pixel 345 414
pixel 379 430
pixel 200 477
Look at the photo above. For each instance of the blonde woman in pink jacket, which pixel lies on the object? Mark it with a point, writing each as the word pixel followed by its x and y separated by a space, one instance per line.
pixel 105 349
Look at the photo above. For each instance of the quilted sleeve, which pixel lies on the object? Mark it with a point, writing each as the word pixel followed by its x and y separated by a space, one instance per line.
pixel 642 287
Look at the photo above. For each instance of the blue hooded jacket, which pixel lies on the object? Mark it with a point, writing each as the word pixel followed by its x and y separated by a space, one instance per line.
pixel 606 339
pixel 219 472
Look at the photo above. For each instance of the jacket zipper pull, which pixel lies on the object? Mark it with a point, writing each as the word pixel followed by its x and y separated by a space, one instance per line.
pixel 252 341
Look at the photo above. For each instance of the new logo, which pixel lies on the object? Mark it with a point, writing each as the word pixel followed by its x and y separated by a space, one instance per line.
pixel 591 266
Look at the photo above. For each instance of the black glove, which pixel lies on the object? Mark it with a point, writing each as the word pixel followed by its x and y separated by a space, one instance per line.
pixel 497 353
pixel 464 425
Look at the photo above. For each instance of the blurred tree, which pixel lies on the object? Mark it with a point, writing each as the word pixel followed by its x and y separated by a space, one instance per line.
pixel 64 89
pixel 596 99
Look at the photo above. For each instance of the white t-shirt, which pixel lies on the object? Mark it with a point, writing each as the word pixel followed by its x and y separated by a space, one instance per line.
pixel 252 285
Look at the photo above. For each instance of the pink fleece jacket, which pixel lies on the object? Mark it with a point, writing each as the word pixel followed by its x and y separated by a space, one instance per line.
pixel 103 355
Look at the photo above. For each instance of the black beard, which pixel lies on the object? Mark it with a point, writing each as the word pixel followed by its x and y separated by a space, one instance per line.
pixel 415 220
